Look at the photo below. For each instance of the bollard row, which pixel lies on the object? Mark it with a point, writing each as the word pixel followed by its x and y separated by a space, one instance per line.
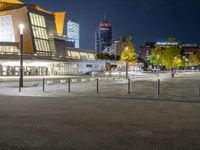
pixel 69 85
pixel 97 86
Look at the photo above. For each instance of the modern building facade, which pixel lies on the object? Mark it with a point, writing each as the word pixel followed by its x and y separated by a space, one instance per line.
pixel 189 49
pixel 73 32
pixel 103 36
pixel 116 48
pixel 45 47
pixel 145 51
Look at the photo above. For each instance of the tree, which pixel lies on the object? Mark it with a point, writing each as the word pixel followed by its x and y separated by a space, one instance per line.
pixel 128 53
pixel 156 56
pixel 198 54
pixel 171 57
pixel 177 62
pixel 193 60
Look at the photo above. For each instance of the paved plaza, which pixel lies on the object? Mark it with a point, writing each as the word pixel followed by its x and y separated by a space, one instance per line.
pixel 109 120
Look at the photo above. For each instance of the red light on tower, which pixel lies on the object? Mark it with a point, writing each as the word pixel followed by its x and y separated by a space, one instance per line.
pixel 105 25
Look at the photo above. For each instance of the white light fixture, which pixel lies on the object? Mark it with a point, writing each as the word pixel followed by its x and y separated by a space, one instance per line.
pixel 21 29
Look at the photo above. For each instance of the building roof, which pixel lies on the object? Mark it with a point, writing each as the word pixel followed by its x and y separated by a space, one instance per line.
pixel 11 1
pixel 16 4
pixel 105 23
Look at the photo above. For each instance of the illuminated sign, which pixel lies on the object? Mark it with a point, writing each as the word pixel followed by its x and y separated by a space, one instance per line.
pixel 166 43
pixel 189 53
pixel 70 40
pixel 104 29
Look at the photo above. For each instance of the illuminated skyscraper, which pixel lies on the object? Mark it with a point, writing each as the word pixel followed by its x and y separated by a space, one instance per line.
pixel 73 32
pixel 103 36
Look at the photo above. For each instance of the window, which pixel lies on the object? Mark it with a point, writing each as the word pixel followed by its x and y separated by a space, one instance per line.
pixel 88 65
pixel 6 29
pixel 83 55
pixel 9 49
pixel 80 55
pixel 91 56
pixel 40 34
pixel 69 54
pixel 75 55
pixel 37 20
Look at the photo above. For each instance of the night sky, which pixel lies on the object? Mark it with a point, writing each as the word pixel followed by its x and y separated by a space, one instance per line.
pixel 144 20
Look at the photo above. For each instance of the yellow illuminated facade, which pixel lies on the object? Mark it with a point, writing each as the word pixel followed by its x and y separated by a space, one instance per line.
pixel 11 1
pixel 59 17
pixel 59 21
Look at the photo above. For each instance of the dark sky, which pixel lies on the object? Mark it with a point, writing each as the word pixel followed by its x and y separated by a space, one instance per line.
pixel 144 20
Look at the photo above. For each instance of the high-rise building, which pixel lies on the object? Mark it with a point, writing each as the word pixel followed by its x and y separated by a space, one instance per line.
pixel 73 32
pixel 116 48
pixel 103 36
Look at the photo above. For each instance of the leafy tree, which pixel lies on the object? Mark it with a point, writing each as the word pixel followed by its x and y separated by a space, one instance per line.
pixel 177 62
pixel 193 60
pixel 156 56
pixel 171 57
pixel 128 53
pixel 198 54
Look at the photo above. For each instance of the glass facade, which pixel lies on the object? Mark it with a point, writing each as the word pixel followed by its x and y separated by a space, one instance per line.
pixel 66 69
pixel 103 36
pixel 40 34
pixel 9 49
pixel 73 32
pixel 81 55
pixel 28 71
pixel 6 29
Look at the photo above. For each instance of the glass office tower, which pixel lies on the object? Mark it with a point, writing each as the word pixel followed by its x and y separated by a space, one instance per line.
pixel 73 32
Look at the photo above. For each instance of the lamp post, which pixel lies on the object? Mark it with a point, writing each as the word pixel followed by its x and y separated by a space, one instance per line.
pixel 158 67
pixel 127 64
pixel 127 68
pixel 184 58
pixel 21 28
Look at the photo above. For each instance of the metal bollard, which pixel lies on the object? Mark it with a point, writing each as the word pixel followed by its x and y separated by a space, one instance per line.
pixel 129 86
pixel 69 82
pixel 43 84
pixel 158 87
pixel 19 86
pixel 97 85
pixel 199 90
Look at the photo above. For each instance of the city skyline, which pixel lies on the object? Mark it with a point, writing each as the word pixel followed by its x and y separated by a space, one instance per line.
pixel 145 20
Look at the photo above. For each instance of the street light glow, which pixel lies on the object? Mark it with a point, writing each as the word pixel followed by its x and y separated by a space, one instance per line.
pixel 21 28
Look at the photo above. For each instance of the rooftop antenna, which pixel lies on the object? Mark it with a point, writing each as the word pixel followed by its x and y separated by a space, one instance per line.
pixel 104 16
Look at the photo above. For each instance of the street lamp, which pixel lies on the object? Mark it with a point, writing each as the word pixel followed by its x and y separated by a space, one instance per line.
pixel 184 59
pixel 126 63
pixel 21 29
pixel 158 67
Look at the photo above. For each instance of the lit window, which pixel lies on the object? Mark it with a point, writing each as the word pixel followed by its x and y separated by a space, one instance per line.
pixel 40 34
pixel 6 29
